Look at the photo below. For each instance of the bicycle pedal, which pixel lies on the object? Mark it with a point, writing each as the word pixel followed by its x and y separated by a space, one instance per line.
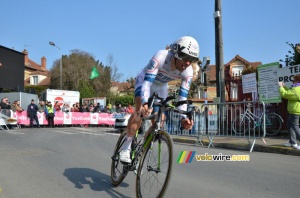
pixel 114 158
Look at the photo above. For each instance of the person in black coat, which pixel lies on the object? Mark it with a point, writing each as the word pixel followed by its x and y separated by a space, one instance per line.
pixel 32 110
pixel 97 108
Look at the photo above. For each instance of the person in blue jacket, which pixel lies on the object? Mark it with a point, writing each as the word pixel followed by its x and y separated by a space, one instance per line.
pixel 32 110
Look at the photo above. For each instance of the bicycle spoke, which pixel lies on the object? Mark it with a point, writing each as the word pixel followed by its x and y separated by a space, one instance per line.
pixel 153 176
pixel 117 168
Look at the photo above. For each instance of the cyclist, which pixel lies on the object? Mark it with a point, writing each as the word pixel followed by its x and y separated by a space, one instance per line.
pixel 166 65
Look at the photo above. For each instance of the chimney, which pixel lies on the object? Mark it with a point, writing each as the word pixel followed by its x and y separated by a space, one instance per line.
pixel 43 62
pixel 26 56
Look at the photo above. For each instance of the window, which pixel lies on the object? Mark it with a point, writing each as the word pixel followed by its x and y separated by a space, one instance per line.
pixel 237 70
pixel 234 91
pixel 35 80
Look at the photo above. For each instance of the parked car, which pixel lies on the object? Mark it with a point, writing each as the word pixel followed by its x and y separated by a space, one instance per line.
pixel 121 120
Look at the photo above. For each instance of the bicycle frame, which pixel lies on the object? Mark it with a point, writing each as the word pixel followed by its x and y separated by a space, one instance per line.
pixel 256 120
pixel 153 132
pixel 251 116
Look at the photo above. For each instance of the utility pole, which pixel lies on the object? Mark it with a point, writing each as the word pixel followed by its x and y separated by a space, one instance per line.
pixel 220 66
pixel 219 51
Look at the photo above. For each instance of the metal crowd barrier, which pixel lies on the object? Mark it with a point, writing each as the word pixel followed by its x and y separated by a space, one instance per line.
pixel 244 119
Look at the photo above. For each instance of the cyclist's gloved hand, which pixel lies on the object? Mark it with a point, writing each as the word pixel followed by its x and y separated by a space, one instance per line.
pixel 187 123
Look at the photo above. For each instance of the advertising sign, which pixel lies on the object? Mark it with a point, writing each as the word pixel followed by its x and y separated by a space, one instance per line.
pixel 267 83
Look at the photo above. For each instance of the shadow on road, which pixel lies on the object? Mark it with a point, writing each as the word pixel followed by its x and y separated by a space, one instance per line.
pixel 96 180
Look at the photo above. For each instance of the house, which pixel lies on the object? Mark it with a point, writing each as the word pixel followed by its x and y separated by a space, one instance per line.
pixel 11 69
pixel 35 74
pixel 233 77
pixel 121 88
pixel 233 72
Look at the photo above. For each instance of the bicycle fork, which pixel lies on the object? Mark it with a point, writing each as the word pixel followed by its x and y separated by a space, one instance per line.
pixel 150 168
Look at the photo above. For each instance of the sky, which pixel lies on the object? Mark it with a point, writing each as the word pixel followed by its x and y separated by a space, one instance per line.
pixel 133 30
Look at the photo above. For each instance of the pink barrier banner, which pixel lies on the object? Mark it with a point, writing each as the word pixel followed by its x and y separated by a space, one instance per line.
pixel 69 118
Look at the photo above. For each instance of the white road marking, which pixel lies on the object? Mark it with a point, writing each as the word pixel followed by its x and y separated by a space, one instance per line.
pixel 14 132
pixel 74 132
pixel 70 131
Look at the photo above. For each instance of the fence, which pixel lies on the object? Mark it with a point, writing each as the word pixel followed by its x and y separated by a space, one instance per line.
pixel 231 119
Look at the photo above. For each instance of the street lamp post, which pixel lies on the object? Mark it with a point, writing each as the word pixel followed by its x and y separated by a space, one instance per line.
pixel 60 66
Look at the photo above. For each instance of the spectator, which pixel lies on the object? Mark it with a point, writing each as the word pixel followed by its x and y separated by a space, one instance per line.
pixel 50 114
pixel 106 109
pixel 41 106
pixel 32 110
pixel 130 110
pixel 46 104
pixel 113 109
pixel 13 107
pixel 57 107
pixel 91 107
pixel 97 108
pixel 73 108
pixel 65 108
pixel 120 109
pixel 293 97
pixel 84 108
pixel 77 107
pixel 4 104
pixel 16 106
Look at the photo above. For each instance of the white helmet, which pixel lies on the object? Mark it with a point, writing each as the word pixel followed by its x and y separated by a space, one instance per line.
pixel 186 48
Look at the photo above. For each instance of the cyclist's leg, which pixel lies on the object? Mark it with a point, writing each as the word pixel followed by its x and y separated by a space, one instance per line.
pixel 162 91
pixel 134 123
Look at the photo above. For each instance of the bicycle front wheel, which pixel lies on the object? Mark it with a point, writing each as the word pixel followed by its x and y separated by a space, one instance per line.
pixel 241 125
pixel 117 168
pixel 155 167
pixel 273 124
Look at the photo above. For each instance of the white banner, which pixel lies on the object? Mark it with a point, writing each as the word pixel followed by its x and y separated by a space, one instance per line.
pixel 286 74
pixel 68 118
pixel 249 83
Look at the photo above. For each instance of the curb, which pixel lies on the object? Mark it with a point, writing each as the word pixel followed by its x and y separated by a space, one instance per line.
pixel 245 147
pixel 236 146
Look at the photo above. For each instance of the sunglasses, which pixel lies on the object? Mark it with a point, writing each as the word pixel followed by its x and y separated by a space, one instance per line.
pixel 185 57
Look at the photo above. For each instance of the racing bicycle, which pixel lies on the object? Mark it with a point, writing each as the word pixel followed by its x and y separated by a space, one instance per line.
pixel 151 156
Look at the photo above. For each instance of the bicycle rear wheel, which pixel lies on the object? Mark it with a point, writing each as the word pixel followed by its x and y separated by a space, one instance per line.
pixel 118 170
pixel 273 124
pixel 155 167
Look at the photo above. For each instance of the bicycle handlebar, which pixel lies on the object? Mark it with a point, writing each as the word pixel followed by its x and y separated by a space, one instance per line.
pixel 164 103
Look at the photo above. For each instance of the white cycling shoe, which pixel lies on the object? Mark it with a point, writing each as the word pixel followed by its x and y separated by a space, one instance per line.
pixel 125 156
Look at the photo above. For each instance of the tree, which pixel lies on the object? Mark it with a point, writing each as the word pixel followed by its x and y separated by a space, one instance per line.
pixel 115 76
pixel 294 55
pixel 123 100
pixel 86 90
pixel 130 85
pixel 76 70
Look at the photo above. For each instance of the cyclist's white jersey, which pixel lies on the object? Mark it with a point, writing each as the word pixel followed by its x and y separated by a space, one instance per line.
pixel 156 75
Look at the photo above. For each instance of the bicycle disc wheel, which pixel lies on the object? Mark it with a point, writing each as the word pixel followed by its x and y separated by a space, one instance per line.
pixel 273 124
pixel 155 167
pixel 240 125
pixel 117 168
